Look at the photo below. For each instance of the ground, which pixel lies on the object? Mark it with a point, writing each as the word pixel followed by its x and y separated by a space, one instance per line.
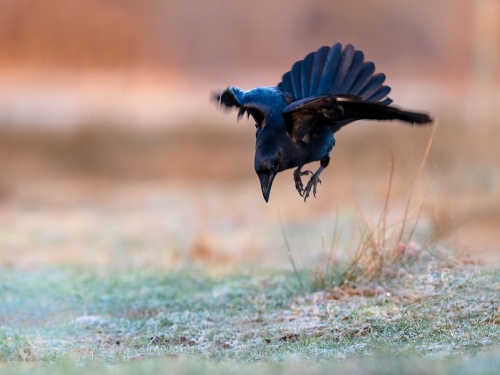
pixel 431 305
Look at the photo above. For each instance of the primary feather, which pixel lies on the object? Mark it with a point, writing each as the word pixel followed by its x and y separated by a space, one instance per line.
pixel 333 70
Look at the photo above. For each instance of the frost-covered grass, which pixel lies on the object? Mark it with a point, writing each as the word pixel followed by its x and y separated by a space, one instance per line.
pixel 203 319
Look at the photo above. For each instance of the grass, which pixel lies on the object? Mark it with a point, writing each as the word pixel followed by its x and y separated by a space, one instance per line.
pixel 435 307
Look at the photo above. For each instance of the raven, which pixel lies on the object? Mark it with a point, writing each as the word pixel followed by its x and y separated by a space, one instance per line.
pixel 297 119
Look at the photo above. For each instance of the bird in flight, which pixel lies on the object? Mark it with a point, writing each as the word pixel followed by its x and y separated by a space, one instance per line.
pixel 296 120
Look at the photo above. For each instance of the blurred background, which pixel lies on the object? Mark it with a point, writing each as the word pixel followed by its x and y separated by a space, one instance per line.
pixel 112 154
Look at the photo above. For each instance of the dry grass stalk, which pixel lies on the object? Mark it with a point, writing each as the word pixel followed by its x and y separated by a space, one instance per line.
pixel 289 254
pixel 380 246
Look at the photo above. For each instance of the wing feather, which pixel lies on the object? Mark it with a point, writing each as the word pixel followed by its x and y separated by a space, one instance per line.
pixel 329 70
pixel 296 73
pixel 306 75
pixel 286 83
pixel 381 93
pixel 333 70
pixel 372 86
pixel 306 115
pixel 353 73
pixel 364 76
pixel 343 69
pixel 317 69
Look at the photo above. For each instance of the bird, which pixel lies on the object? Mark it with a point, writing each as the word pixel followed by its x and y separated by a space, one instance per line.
pixel 296 120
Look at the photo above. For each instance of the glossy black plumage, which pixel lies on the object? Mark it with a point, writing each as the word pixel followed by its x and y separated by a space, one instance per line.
pixel 297 119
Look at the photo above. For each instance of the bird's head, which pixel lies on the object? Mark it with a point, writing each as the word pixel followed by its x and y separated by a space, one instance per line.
pixel 267 167
pixel 272 155
pixel 265 105
pixel 273 147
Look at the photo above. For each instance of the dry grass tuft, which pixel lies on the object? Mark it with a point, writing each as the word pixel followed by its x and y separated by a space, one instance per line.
pixel 381 249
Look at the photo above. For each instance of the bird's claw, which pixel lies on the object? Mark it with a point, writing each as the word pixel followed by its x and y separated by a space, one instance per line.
pixel 299 185
pixel 312 184
pixel 298 180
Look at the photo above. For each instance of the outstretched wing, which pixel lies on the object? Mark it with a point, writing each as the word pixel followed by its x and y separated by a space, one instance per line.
pixel 306 115
pixel 331 70
pixel 235 97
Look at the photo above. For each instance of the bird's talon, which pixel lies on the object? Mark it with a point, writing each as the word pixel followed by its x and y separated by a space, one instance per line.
pixel 299 186
pixel 312 185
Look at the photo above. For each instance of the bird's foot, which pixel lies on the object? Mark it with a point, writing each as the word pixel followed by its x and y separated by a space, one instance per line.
pixel 312 184
pixel 298 180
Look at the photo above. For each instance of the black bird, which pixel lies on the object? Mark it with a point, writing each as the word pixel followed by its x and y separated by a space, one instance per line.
pixel 297 119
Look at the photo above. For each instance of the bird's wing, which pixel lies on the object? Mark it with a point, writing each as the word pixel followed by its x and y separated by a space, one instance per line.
pixel 235 97
pixel 306 115
pixel 333 70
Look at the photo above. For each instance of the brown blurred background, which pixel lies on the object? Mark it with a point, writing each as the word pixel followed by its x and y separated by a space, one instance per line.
pixel 111 152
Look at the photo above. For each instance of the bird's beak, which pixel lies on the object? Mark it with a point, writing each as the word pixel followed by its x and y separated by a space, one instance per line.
pixel 266 181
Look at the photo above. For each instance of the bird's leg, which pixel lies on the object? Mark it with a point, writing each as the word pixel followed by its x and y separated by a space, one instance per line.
pixel 313 182
pixel 298 180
